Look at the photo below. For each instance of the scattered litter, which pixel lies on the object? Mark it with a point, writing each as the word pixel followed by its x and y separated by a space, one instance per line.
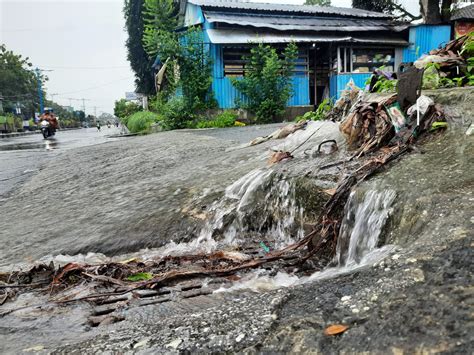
pixel 335 329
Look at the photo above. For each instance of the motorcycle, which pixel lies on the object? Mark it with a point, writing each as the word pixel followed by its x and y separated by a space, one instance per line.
pixel 46 129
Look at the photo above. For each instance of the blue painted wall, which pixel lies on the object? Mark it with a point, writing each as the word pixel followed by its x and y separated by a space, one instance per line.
pixel 337 83
pixel 425 38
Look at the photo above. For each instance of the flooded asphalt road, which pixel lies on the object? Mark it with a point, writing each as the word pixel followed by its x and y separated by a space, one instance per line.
pixel 20 157
pixel 84 192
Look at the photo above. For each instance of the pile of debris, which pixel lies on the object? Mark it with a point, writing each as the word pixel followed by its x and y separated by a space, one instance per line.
pixel 450 66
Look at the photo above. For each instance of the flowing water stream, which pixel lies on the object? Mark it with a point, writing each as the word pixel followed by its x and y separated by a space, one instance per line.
pixel 366 213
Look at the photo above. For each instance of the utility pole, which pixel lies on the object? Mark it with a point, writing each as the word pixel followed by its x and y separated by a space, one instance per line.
pixel 84 104
pixel 40 91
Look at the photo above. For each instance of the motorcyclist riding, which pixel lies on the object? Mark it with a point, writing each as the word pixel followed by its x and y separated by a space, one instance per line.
pixel 49 116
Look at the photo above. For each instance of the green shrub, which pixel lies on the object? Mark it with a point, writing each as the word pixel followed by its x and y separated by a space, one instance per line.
pixel 141 121
pixel 224 119
pixel 267 84
pixel 175 114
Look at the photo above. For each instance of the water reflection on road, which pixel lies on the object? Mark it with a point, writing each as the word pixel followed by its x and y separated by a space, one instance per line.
pixel 20 156
pixel 62 139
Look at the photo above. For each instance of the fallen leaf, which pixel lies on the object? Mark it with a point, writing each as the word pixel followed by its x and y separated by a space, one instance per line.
pixel 140 276
pixel 279 156
pixel 129 261
pixel 330 192
pixel 335 329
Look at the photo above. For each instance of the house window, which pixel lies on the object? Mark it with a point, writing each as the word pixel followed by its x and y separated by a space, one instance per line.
pixel 234 61
pixel 365 60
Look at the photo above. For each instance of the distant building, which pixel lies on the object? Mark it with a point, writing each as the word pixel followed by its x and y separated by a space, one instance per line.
pixel 463 20
pixel 68 108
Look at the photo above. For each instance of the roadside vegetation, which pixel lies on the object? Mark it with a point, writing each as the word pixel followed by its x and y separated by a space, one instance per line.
pixel 19 94
pixel 185 98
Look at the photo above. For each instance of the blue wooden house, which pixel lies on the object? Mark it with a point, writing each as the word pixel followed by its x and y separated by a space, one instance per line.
pixel 335 44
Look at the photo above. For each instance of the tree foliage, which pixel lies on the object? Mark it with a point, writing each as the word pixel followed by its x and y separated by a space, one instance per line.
pixel 160 20
pixel 318 2
pixel 124 108
pixel 387 6
pixel 139 61
pixel 267 82
pixel 18 83
pixel 195 67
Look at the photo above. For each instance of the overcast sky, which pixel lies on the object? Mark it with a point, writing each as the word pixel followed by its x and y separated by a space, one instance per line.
pixel 83 42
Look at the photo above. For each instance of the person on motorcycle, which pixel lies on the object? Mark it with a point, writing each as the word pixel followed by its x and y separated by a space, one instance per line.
pixel 51 118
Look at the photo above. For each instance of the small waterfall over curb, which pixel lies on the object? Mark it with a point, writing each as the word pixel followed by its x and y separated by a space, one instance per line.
pixel 261 203
pixel 365 216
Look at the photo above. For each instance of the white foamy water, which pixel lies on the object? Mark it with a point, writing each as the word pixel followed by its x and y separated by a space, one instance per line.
pixel 365 217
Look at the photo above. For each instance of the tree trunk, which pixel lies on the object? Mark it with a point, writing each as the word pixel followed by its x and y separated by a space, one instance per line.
pixel 446 10
pixel 430 11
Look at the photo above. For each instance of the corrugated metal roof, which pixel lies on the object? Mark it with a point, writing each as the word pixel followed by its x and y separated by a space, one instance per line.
pixel 466 13
pixel 302 23
pixel 308 9
pixel 219 36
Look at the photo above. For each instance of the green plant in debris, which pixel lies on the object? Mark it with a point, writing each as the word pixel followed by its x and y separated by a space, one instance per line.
pixel 319 114
pixel 267 84
pixel 385 85
pixel 431 77
pixel 468 46
pixel 140 276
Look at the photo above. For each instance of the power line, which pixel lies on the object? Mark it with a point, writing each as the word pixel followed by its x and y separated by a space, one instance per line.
pixel 88 68
pixel 94 87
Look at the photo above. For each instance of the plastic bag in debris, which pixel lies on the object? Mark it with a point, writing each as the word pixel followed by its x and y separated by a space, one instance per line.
pixel 422 104
pixel 427 59
pixel 348 97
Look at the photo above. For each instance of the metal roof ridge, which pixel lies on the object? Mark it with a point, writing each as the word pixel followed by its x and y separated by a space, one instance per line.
pixel 262 6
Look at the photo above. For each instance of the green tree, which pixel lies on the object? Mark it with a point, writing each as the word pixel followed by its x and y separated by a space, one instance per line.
pixel 18 83
pixel 267 82
pixel 139 61
pixel 195 71
pixel 318 2
pixel 160 19
pixel 124 108
pixel 387 6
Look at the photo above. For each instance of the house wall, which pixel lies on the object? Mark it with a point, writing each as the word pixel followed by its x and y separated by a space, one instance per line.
pixel 424 38
pixel 338 83
pixel 226 94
